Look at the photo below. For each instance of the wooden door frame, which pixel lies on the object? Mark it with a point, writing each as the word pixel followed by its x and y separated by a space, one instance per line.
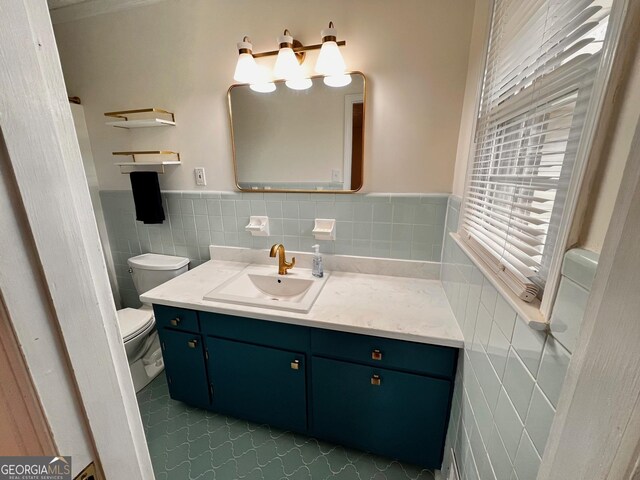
pixel 24 294
pixel 44 165
pixel 24 429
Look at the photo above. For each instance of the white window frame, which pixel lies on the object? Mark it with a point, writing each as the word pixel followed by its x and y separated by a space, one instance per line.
pixel 610 45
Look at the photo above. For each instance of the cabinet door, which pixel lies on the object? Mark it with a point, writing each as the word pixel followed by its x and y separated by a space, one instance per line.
pixel 184 365
pixel 257 383
pixel 390 413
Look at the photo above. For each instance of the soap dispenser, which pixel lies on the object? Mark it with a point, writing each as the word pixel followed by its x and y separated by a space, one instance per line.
pixel 317 270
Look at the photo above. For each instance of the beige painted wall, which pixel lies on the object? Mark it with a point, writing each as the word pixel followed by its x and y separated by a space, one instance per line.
pixel 180 55
pixel 616 152
pixel 481 21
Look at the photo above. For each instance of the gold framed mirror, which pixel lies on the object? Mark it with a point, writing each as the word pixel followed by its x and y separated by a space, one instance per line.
pixel 292 140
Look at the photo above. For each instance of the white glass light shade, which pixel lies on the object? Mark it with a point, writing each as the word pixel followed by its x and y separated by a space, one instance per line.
pixel 266 87
pixel 263 82
pixel 330 61
pixel 246 69
pixel 337 80
pixel 299 83
pixel 287 65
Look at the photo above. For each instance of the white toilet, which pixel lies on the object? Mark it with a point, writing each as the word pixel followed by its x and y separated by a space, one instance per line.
pixel 137 326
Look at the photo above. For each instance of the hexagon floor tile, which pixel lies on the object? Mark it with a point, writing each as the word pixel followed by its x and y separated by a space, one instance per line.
pixel 187 443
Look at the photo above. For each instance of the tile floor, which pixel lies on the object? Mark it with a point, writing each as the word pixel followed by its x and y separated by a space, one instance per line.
pixel 188 443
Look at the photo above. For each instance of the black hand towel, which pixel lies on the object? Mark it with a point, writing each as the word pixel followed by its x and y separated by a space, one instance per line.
pixel 146 196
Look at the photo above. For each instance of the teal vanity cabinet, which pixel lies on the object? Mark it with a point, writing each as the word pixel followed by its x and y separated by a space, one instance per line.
pixel 184 355
pixel 389 397
pixel 257 370
pixel 385 396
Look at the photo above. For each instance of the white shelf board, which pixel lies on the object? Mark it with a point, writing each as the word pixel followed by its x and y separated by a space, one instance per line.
pixel 142 123
pixel 142 164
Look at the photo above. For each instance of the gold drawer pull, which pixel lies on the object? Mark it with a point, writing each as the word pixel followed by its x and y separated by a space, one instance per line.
pixel 192 343
pixel 376 354
pixel 375 380
pixel 295 365
pixel 175 321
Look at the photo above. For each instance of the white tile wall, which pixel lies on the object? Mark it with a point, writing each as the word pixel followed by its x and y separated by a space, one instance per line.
pixel 518 383
pixel 527 460
pixel 553 368
pixel 498 349
pixel 505 317
pixel 539 419
pixel 567 317
pixel 510 376
pixel 528 344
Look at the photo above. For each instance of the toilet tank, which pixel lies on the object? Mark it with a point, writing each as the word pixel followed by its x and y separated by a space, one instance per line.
pixel 151 269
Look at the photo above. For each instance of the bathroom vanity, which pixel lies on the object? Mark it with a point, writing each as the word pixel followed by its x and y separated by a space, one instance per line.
pixel 370 366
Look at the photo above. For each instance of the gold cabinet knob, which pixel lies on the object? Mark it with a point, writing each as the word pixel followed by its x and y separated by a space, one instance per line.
pixel 376 354
pixel 175 321
pixel 376 380
pixel 192 343
pixel 295 365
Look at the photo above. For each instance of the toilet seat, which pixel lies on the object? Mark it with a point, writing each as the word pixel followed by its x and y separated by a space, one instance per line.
pixel 133 321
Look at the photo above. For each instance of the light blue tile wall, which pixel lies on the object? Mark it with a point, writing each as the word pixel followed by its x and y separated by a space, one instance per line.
pixel 405 226
pixel 510 376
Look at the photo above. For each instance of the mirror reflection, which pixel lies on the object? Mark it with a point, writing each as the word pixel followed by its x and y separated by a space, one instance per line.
pixel 299 140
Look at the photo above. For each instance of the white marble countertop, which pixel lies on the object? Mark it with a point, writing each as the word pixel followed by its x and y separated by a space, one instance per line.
pixel 404 308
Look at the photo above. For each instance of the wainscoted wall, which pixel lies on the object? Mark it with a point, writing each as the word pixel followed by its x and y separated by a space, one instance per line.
pixel 406 226
pixel 510 376
pixel 411 132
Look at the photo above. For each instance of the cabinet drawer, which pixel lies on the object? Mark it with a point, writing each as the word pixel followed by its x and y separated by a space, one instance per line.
pixel 390 413
pixel 262 384
pixel 384 352
pixel 174 317
pixel 261 332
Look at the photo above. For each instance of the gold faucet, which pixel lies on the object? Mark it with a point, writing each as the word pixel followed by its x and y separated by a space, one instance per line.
pixel 283 265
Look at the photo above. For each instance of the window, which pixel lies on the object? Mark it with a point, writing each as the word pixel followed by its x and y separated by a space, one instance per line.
pixel 541 64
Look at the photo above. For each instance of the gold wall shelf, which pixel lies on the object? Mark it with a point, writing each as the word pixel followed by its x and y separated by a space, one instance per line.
pixel 156 121
pixel 147 152
pixel 147 166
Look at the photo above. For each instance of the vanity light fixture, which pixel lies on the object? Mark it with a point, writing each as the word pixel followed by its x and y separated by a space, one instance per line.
pixel 299 83
pixel 266 87
pixel 246 68
pixel 288 65
pixel 337 80
pixel 290 55
pixel 263 83
pixel 330 61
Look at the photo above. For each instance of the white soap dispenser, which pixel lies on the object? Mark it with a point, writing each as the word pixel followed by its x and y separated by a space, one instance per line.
pixel 317 270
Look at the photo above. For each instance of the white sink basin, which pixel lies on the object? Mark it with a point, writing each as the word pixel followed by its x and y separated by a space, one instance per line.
pixel 261 286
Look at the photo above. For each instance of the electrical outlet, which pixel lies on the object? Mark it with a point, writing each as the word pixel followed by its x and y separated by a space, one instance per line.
pixel 336 175
pixel 200 177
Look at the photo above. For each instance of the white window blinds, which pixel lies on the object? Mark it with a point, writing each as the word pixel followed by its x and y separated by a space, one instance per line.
pixel 541 63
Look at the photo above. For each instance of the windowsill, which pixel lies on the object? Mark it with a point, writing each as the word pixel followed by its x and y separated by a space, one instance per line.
pixel 529 312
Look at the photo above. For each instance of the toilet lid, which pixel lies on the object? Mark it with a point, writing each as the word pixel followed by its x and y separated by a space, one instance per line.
pixel 132 321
